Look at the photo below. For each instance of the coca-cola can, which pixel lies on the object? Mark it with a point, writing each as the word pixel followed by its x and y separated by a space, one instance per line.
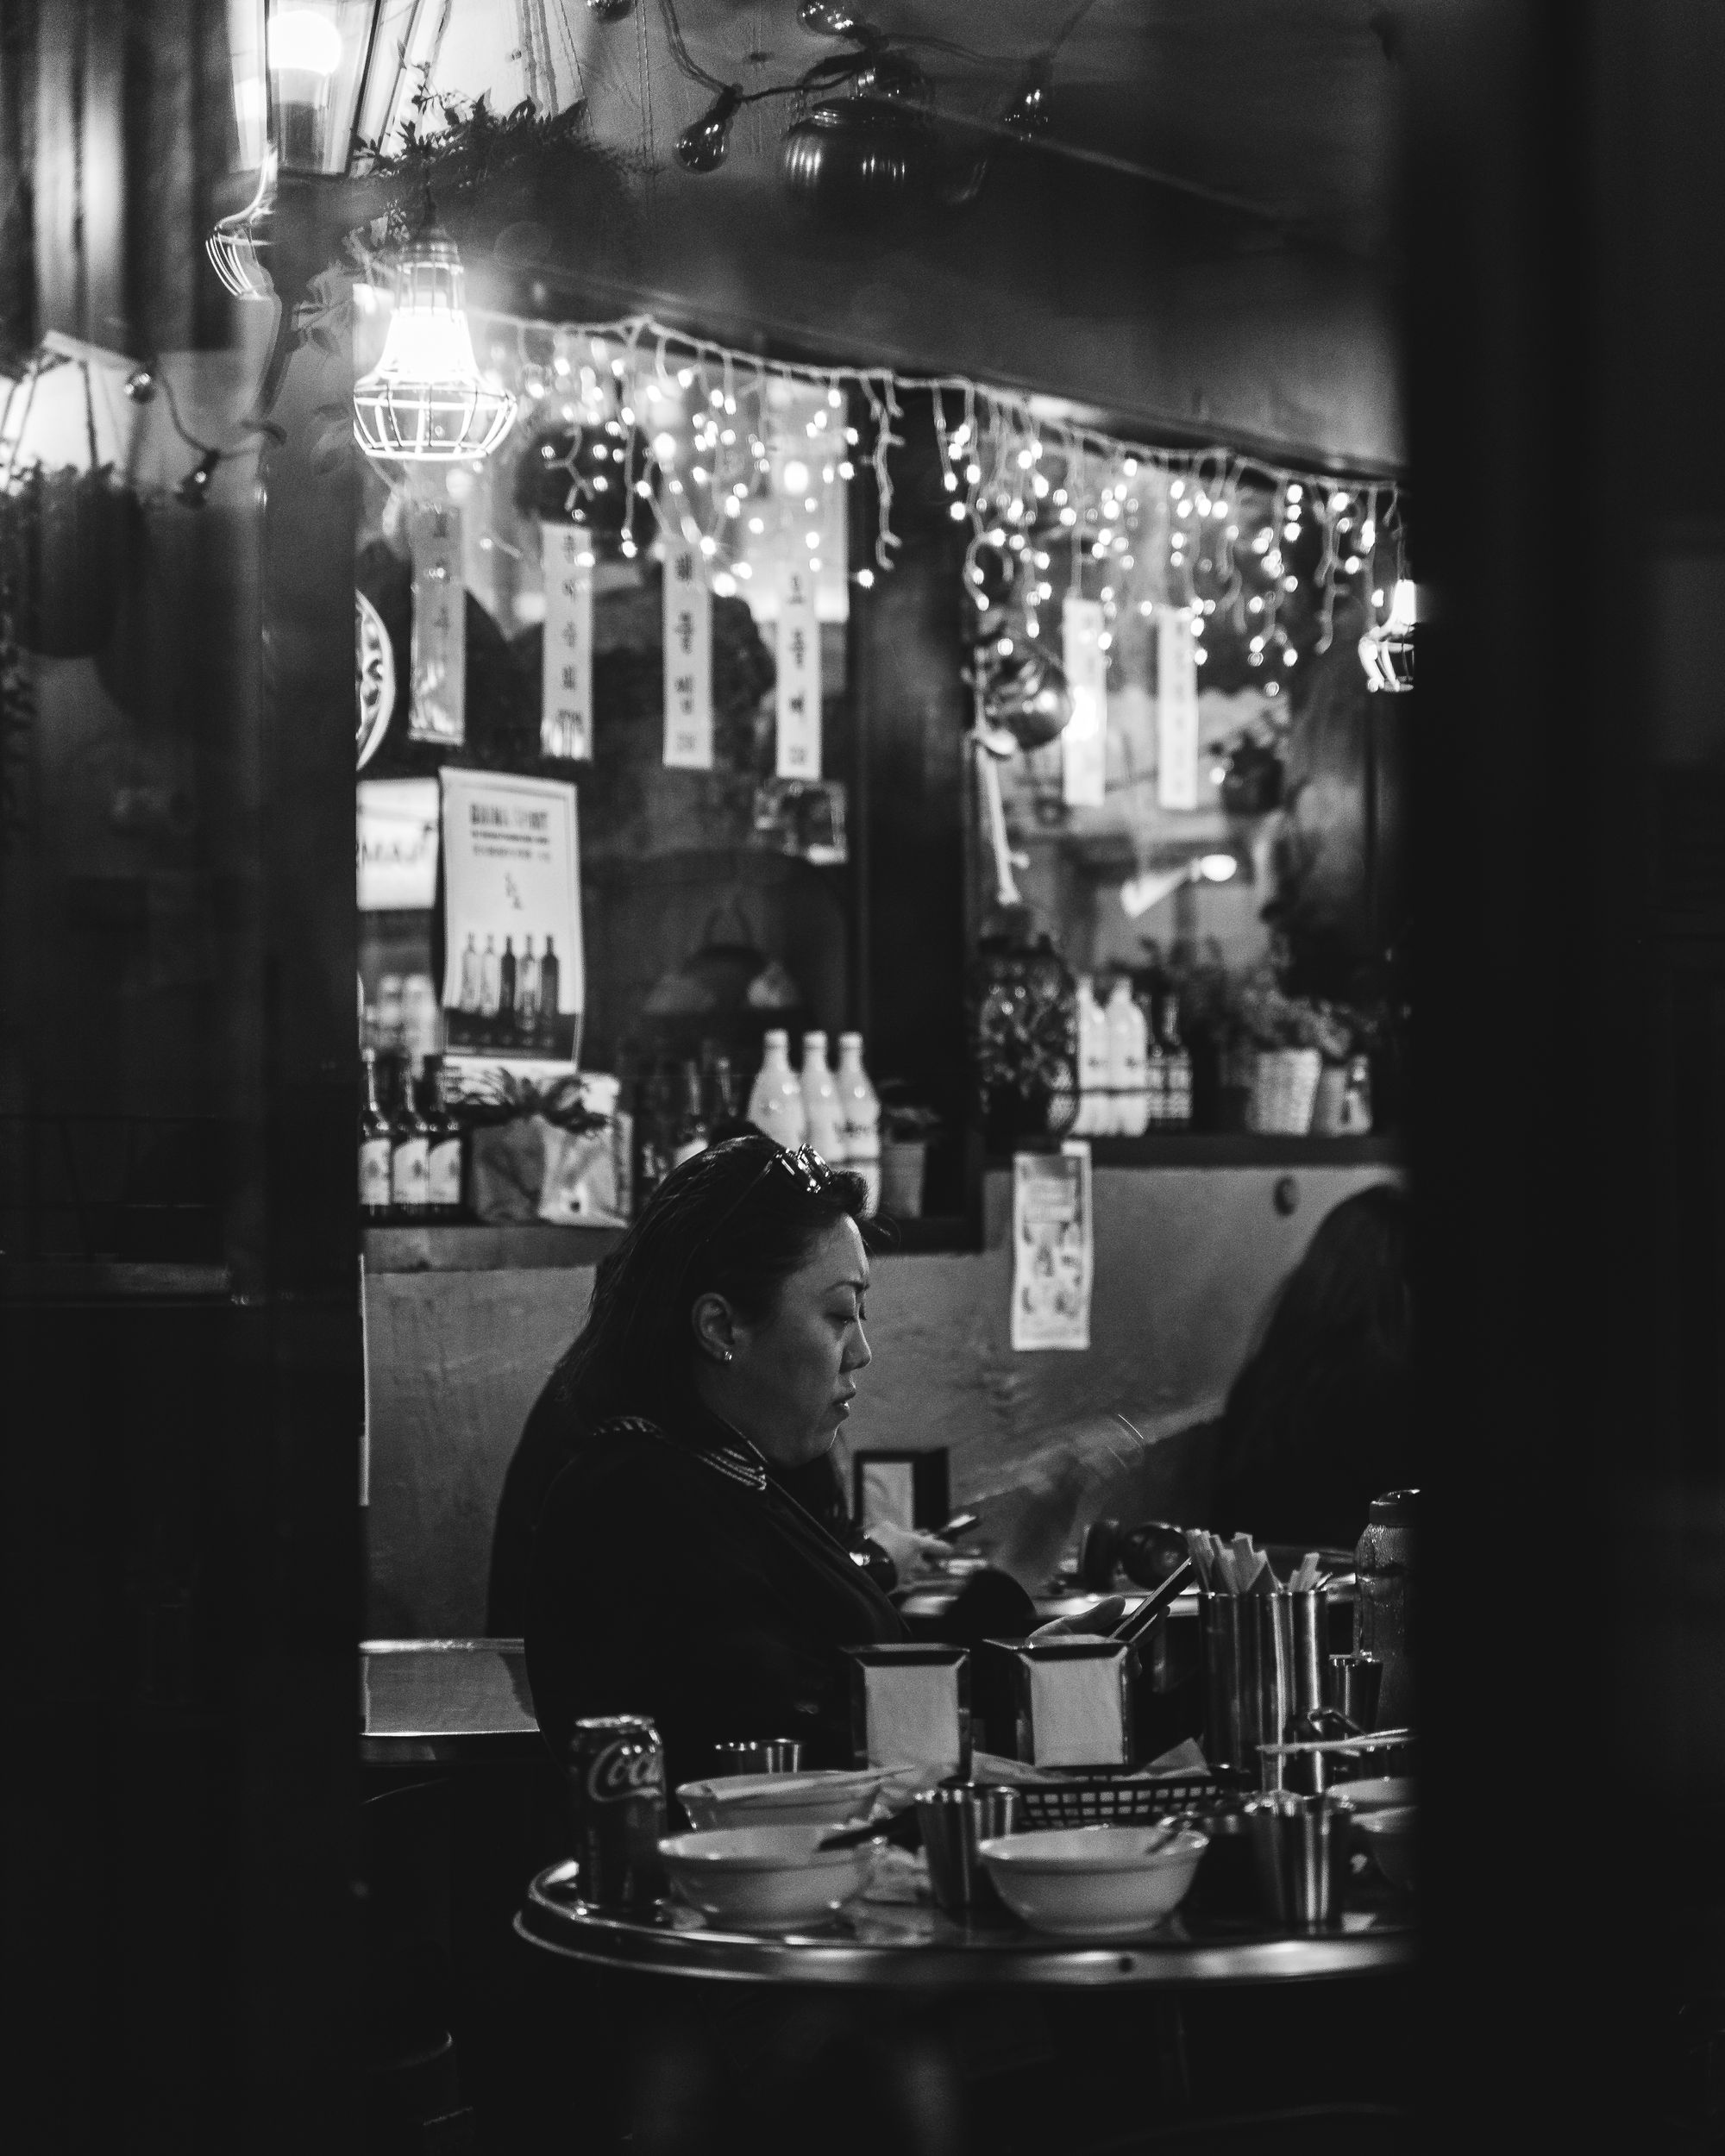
pixel 617 1798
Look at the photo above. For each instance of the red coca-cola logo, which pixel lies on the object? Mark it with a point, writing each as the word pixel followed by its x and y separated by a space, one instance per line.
pixel 623 1770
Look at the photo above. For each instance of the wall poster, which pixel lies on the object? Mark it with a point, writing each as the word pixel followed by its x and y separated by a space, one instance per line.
pixel 1053 1249
pixel 398 845
pixel 566 561
pixel 799 656
pixel 437 708
pixel 1177 712
pixel 688 662
pixel 1084 744
pixel 514 979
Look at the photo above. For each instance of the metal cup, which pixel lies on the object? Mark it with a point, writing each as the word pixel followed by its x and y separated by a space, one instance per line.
pixel 1264 1664
pixel 1302 1844
pixel 1355 1682
pixel 955 1820
pixel 758 1755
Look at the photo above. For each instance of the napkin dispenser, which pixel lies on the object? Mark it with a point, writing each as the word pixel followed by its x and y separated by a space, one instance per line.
pixel 1075 1702
pixel 910 1706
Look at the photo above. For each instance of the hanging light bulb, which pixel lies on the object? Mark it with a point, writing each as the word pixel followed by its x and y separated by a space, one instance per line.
pixel 830 18
pixel 424 401
pixel 1028 113
pixel 702 147
pixel 237 244
pixel 305 46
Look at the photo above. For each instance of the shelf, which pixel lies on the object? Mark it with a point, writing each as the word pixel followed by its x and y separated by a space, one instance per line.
pixel 1228 1148
pixel 529 1245
pixel 913 1238
pixel 113 1280
pixel 476 1247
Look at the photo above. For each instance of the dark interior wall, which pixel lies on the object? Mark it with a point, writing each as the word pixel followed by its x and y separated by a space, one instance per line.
pixel 179 1280
pixel 1186 1262
pixel 1567 204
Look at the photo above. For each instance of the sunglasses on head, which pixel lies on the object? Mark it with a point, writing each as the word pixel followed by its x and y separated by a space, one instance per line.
pixel 803 1166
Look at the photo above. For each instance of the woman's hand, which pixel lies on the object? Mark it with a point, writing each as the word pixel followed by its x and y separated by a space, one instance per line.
pixel 1102 1619
pixel 912 1551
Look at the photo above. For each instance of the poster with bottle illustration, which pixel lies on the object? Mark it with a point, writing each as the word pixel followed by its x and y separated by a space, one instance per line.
pixel 514 979
pixel 1053 1252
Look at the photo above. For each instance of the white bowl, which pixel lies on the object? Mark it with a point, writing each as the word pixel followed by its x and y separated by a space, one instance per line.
pixel 1391 1836
pixel 1377 1793
pixel 1093 1882
pixel 765 1879
pixel 822 1798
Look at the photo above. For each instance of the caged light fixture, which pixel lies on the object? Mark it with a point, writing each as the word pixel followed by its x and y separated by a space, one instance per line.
pixel 425 401
pixel 1386 650
pixel 236 246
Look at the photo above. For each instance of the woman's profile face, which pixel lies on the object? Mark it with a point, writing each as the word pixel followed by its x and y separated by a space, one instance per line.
pixel 792 1376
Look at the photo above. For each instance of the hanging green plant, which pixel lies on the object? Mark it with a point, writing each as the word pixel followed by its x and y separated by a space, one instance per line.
pixel 64 531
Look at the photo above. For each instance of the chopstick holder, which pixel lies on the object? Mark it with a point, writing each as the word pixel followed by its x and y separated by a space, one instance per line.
pixel 1075 1703
pixel 910 1706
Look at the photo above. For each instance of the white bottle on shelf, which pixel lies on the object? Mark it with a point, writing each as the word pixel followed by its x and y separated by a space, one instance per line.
pixel 775 1099
pixel 821 1103
pixel 1128 1040
pixel 859 1108
pixel 1094 1119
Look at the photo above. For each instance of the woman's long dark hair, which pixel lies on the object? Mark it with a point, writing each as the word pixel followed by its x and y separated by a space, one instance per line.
pixel 723 1223
pixel 1318 1419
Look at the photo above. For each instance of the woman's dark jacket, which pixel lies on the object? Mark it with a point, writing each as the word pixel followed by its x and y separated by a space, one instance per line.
pixel 660 1584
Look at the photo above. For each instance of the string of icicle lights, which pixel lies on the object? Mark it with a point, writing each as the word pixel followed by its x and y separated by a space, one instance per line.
pixel 709 445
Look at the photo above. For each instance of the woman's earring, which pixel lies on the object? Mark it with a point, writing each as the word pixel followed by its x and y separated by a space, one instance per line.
pixel 724 1354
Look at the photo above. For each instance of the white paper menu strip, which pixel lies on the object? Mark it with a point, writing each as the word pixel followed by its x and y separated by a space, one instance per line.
pixel 688 662
pixel 1176 712
pixel 437 708
pixel 799 656
pixel 1053 1256
pixel 566 706
pixel 1084 745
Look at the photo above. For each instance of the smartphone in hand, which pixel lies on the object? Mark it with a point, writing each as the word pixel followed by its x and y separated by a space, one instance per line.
pixel 960 1524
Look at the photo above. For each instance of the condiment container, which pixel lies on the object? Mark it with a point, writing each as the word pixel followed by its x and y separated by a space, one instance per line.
pixel 1075 1702
pixel 910 1706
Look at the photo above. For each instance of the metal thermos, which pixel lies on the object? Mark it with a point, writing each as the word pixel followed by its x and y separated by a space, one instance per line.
pixel 1383 1571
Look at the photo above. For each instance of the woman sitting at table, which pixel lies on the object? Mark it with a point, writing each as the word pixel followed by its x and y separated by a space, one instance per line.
pixel 672 1572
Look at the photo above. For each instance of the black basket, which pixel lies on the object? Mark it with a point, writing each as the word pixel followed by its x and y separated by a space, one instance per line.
pixel 1116 1801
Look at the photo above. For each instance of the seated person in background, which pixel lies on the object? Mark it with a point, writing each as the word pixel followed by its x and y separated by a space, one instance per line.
pixel 1318 1422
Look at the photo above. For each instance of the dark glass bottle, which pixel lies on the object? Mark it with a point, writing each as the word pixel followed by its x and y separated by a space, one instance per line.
pixel 690 1134
pixel 375 1147
pixel 442 1146
pixel 550 975
pixel 723 1110
pixel 654 1125
pixel 408 1150
pixel 1178 1066
pixel 506 985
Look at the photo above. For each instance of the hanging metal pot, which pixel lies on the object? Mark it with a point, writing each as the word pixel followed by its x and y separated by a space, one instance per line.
pixel 860 160
pixel 1025 693
pixel 727 991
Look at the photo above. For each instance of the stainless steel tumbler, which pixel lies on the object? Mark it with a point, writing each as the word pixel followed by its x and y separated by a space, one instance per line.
pixel 955 1821
pixel 758 1755
pixel 1302 1844
pixel 1355 1682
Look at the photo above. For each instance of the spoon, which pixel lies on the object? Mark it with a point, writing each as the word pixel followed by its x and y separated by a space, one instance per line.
pixel 875 1830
